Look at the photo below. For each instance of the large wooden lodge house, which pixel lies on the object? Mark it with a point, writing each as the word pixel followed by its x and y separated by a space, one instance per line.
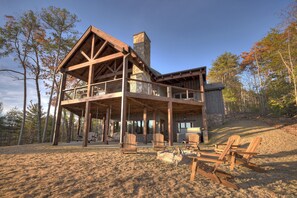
pixel 120 88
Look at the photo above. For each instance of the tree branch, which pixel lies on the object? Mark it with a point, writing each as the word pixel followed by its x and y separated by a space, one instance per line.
pixel 10 70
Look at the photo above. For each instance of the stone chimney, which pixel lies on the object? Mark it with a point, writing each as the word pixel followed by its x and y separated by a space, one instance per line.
pixel 142 46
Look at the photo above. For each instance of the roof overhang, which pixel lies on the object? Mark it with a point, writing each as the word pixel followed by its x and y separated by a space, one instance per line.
pixel 183 74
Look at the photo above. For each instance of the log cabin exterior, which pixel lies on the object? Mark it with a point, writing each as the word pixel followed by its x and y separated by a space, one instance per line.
pixel 119 87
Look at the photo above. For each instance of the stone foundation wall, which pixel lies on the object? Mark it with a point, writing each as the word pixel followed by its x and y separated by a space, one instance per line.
pixel 215 119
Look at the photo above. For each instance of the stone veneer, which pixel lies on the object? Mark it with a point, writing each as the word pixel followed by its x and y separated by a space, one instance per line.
pixel 142 46
pixel 215 119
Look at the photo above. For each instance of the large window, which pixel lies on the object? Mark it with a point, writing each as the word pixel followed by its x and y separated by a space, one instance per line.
pixel 184 125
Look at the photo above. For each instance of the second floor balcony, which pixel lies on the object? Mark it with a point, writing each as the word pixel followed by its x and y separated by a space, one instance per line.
pixel 136 87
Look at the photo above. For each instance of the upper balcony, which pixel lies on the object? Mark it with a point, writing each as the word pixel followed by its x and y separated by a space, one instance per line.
pixel 135 88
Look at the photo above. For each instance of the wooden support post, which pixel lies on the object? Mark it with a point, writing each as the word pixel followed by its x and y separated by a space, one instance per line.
pixel 106 128
pixel 154 122
pixel 145 125
pixel 124 99
pixel 90 80
pixel 88 107
pixel 103 129
pixel 59 112
pixel 170 123
pixel 133 126
pixel 204 116
pixel 90 120
pixel 78 126
pixel 86 124
pixel 111 127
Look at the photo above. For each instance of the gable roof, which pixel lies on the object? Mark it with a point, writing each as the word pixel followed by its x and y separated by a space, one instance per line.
pixel 121 46
pixel 124 48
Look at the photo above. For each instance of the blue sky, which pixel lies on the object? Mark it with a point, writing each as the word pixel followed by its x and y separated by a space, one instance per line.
pixel 183 33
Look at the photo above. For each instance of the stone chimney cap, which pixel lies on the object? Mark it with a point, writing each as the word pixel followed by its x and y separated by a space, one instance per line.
pixel 143 32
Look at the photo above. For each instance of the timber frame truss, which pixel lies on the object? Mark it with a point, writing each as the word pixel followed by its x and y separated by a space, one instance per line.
pixel 105 65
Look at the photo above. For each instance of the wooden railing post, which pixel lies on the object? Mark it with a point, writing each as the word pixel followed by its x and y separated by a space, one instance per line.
pixel 169 92
pixel 105 87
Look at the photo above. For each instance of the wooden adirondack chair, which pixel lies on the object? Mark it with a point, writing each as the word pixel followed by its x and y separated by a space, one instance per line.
pixel 129 145
pixel 241 156
pixel 220 147
pixel 158 141
pixel 214 174
pixel 192 142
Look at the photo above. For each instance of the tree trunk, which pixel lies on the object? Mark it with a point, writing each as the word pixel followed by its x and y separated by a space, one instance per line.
pixel 295 89
pixel 39 110
pixel 70 127
pixel 55 111
pixel 48 109
pixel 24 108
pixel 66 124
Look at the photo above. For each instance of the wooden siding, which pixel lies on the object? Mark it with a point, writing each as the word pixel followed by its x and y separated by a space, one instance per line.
pixel 214 102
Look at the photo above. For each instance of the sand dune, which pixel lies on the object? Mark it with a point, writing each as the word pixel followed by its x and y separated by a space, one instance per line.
pixel 72 171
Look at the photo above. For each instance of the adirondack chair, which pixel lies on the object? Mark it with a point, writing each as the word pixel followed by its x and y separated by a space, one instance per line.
pixel 241 156
pixel 220 147
pixel 129 145
pixel 214 174
pixel 192 142
pixel 158 141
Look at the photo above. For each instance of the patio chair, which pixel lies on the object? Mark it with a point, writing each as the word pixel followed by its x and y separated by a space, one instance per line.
pixel 129 144
pixel 158 141
pixel 242 156
pixel 220 147
pixel 218 176
pixel 192 142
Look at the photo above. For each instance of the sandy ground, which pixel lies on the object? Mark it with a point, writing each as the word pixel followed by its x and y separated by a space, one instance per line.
pixel 73 171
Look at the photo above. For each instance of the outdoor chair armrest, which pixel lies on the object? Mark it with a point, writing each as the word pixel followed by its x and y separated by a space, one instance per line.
pixel 244 152
pixel 208 154
pixel 204 159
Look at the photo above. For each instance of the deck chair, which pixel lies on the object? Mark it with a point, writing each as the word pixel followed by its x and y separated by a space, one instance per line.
pixel 241 156
pixel 220 147
pixel 129 145
pixel 192 142
pixel 218 176
pixel 158 141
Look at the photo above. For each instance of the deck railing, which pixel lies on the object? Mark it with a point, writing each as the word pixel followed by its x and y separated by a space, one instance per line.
pixel 134 86
pixel 163 90
pixel 106 87
pixel 97 89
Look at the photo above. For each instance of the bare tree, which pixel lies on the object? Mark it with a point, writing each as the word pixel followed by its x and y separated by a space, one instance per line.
pixel 61 24
pixel 14 39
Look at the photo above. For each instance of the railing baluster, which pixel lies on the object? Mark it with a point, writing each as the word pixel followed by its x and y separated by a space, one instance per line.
pixel 105 86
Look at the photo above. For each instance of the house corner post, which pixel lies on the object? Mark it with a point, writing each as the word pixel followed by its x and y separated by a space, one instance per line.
pixel 124 98
pixel 170 123
pixel 204 115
